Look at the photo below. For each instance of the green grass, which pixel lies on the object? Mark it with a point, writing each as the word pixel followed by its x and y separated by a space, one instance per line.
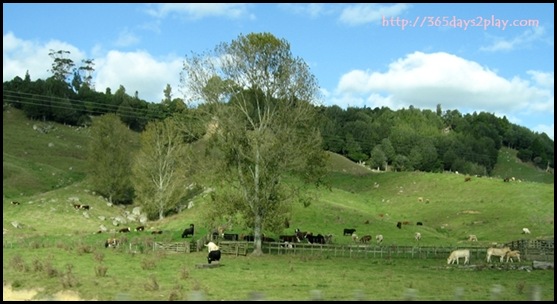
pixel 47 179
pixel 286 277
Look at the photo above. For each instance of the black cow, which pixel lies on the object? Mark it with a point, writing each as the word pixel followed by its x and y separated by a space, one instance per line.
pixel 288 238
pixel 124 230
pixel 248 238
pixel 140 228
pixel 419 223
pixel 188 231
pixel 315 239
pixel 399 225
pixel 230 236
pixel 15 203
pixel 348 231
pixel 213 256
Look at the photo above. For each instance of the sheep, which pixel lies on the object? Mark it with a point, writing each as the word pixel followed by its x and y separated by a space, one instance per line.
pixel 379 238
pixel 354 237
pixel 472 238
pixel 525 231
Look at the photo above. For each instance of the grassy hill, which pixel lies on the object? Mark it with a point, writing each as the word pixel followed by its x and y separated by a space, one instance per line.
pixel 45 170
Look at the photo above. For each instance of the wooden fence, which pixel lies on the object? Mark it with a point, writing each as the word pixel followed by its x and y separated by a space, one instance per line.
pixel 533 252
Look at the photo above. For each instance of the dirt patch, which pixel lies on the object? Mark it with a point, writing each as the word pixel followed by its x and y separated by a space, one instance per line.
pixel 9 294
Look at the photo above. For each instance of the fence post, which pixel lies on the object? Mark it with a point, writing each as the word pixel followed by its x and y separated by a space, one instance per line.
pixel 410 294
pixel 536 293
pixel 459 291
pixel 496 292
pixel 316 295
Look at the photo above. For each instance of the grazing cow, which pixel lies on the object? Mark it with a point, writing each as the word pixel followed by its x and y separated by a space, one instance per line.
pixel 419 224
pixel 156 232
pixel 214 252
pixel 267 239
pixel 418 236
pixel 188 231
pixel 513 254
pixel 112 243
pixel 365 239
pixel 230 236
pixel 77 206
pixel 472 238
pixel 525 231
pixel 140 228
pixel 315 239
pixel 15 203
pixel 85 207
pixel 467 179
pixel 379 238
pixel 288 238
pixel 300 235
pixel 406 223
pixel 500 252
pixel 328 238
pixel 349 231
pixel 248 238
pixel 124 230
pixel 460 253
pixel 399 225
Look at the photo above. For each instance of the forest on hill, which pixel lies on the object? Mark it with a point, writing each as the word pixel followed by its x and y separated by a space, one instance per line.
pixel 400 140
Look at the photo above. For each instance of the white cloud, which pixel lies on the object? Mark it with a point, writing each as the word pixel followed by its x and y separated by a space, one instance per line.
pixel 196 11
pixel 138 71
pixel 425 80
pixel 359 14
pixel 126 38
pixel 20 56
pixel 525 39
pixel 313 10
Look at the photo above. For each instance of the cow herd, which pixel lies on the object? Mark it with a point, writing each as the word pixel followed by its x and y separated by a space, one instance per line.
pixel 300 236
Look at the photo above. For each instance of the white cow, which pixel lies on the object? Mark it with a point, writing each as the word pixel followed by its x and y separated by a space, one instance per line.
pixel 513 254
pixel 460 253
pixel 500 252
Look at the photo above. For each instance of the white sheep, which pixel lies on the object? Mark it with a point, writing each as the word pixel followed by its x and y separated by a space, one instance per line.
pixel 418 236
pixel 525 231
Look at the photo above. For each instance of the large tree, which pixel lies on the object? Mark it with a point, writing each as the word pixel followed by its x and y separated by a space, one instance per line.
pixel 262 100
pixel 109 159
pixel 160 168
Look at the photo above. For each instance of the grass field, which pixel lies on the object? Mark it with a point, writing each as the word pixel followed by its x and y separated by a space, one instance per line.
pixel 55 247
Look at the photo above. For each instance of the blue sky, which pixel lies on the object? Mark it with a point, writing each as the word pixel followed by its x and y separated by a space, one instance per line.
pixel 496 58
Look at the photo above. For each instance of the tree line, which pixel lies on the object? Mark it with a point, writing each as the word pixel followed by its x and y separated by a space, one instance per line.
pixel 255 122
